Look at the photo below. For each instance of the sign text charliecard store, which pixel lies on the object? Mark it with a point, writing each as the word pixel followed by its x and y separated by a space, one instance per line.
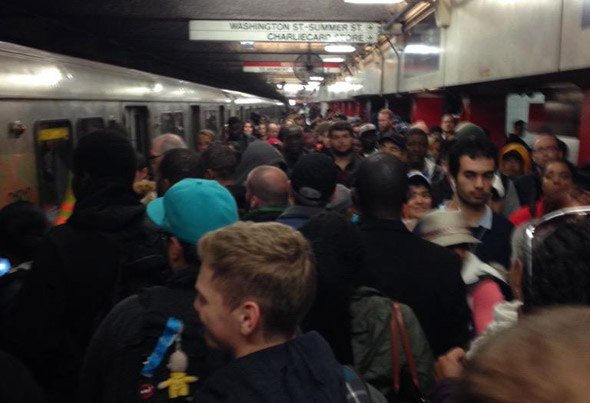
pixel 283 31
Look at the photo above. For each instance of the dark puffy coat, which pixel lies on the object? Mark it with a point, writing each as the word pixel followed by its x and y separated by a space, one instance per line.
pixel 16 382
pixel 128 335
pixel 81 269
pixel 338 251
pixel 301 370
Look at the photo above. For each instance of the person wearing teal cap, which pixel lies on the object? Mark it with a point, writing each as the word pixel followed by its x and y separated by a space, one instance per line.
pixel 111 371
pixel 193 207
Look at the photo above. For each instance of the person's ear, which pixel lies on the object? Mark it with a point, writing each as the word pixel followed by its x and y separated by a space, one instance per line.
pixel 249 317
pixel 453 183
pixel 515 275
pixel 209 174
pixel 166 183
pixel 174 250
pixel 255 201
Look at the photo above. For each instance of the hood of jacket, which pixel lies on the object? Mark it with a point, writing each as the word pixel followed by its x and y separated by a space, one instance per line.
pixel 258 153
pixel 110 207
pixel 300 370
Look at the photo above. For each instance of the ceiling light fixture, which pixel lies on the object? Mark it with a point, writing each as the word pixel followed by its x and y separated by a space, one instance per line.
pixel 339 48
pixel 373 1
pixel 421 49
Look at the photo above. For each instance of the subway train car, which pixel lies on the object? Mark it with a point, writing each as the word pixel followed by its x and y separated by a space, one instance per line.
pixel 49 101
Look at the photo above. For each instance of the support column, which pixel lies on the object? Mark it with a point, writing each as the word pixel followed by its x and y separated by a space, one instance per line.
pixel 584 134
pixel 428 109
pixel 489 113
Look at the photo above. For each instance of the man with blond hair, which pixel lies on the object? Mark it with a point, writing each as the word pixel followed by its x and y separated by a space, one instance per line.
pixel 256 284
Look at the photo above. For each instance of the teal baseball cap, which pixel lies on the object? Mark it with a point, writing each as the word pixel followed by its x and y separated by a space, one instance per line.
pixel 193 207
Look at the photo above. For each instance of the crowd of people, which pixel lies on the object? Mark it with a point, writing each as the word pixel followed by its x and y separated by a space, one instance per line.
pixel 331 260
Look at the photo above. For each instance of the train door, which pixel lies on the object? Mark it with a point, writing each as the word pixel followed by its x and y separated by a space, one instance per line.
pixel 136 123
pixel 53 152
pixel 196 123
pixel 222 119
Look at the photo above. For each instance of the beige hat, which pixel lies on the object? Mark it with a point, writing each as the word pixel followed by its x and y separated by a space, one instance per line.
pixel 445 228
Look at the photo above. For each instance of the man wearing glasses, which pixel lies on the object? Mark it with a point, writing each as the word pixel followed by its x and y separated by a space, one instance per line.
pixel 545 149
pixel 161 144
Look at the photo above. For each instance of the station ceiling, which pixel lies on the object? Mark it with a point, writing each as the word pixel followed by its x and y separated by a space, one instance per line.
pixel 153 35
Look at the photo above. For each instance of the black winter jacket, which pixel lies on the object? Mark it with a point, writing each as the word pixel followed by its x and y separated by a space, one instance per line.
pixel 301 370
pixel 128 335
pixel 76 278
pixel 420 274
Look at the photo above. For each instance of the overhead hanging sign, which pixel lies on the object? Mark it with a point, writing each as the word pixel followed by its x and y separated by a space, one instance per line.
pixel 284 31
pixel 283 67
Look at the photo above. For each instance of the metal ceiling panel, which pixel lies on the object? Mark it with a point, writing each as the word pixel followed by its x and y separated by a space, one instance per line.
pixel 153 35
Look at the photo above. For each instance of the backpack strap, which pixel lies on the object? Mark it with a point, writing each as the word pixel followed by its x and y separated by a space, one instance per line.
pixel 397 326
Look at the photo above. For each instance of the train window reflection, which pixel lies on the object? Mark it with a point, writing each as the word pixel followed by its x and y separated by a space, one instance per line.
pixel 53 152
pixel 172 122
pixel 88 125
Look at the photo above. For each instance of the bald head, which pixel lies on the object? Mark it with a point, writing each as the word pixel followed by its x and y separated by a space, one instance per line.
pixel 273 130
pixel 163 143
pixel 381 186
pixel 267 186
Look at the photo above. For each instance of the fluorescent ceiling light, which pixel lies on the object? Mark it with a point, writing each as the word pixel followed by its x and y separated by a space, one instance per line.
pixel 45 77
pixel 339 48
pixel 293 87
pixel 333 59
pixel 422 50
pixel 373 1
pixel 316 78
pixel 248 101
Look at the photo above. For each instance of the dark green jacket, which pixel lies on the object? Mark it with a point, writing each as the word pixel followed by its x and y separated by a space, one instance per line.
pixel 371 341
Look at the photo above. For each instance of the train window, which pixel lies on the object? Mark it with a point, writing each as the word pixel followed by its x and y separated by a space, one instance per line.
pixel 211 120
pixel 88 125
pixel 136 123
pixel 222 120
pixel 172 122
pixel 196 122
pixel 53 145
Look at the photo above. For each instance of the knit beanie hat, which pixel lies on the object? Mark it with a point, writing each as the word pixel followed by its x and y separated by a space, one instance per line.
pixel 469 130
pixel 105 154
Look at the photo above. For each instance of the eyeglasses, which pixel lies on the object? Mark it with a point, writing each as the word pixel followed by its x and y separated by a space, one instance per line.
pixel 545 149
pixel 535 234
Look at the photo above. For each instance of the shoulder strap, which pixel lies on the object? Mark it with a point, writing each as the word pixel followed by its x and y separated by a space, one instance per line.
pixel 397 326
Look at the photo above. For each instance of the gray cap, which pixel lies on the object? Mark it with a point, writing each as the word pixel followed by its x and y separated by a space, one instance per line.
pixel 366 128
pixel 445 228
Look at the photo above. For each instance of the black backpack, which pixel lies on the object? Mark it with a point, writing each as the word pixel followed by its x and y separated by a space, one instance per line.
pixel 124 381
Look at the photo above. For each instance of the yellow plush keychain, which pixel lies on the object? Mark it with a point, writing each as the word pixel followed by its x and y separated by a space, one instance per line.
pixel 178 382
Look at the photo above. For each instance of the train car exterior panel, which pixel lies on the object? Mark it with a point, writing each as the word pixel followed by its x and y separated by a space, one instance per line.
pixel 58 99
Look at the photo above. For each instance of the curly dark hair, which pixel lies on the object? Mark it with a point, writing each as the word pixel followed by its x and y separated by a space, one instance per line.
pixel 560 268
